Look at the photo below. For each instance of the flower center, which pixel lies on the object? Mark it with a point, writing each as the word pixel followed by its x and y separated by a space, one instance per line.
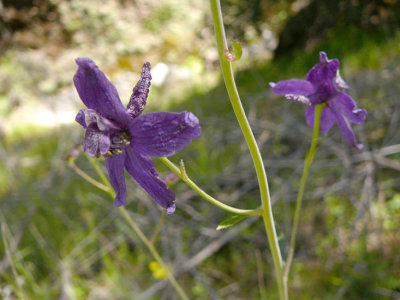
pixel 119 140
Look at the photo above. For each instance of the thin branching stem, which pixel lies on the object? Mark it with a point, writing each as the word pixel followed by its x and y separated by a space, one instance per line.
pixel 87 177
pixel 230 84
pixel 181 172
pixel 153 252
pixel 134 226
pixel 307 163
pixel 158 227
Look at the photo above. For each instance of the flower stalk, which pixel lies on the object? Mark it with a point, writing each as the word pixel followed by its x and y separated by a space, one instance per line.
pixel 229 80
pixel 87 177
pixel 153 252
pixel 132 224
pixel 307 163
pixel 181 172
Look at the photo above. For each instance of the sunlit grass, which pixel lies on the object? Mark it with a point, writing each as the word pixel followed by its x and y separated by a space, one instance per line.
pixel 67 240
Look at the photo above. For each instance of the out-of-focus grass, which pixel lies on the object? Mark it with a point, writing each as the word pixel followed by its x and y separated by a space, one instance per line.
pixel 68 241
pixel 345 235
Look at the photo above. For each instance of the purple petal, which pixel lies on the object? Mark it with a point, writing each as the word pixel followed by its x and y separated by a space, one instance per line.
pixel 292 87
pixel 326 70
pixel 104 144
pixel 340 82
pixel 347 106
pixel 140 92
pixel 97 92
pixel 298 98
pixel 115 166
pixel 326 122
pixel 346 130
pixel 310 111
pixel 163 133
pixel 142 169
pixel 80 118
pixel 96 142
pixel 323 58
pixel 91 116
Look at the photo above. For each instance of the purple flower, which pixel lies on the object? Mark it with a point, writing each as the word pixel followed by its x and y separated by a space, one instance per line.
pixel 322 86
pixel 126 138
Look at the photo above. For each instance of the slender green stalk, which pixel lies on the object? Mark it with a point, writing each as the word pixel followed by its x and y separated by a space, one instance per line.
pixel 136 229
pixel 93 162
pixel 158 227
pixel 189 182
pixel 154 252
pixel 87 177
pixel 307 163
pixel 268 219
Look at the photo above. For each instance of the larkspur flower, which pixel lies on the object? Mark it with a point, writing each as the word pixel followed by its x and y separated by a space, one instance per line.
pixel 322 86
pixel 127 138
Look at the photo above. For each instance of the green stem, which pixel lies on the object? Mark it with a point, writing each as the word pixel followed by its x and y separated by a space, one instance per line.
pixel 154 252
pixel 87 177
pixel 158 227
pixel 203 194
pixel 307 163
pixel 99 172
pixel 267 215
pixel 137 230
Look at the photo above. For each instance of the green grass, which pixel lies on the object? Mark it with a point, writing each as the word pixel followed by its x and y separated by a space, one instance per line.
pixel 67 239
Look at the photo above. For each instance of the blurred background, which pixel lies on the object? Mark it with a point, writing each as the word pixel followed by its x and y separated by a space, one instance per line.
pixel 65 239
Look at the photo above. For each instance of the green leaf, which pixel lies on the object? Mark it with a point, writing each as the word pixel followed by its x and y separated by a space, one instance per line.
pixel 230 221
pixel 237 48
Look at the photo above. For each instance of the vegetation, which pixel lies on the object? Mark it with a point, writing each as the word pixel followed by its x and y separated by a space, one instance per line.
pixel 63 238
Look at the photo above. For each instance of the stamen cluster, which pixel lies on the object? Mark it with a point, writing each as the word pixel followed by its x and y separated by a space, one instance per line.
pixel 119 141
